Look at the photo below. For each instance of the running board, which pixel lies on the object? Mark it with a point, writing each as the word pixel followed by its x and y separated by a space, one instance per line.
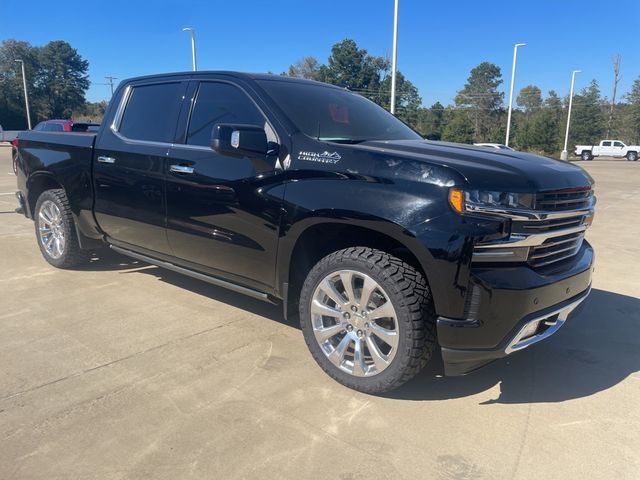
pixel 200 276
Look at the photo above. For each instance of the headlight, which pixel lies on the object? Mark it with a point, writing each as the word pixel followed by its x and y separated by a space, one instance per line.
pixel 469 200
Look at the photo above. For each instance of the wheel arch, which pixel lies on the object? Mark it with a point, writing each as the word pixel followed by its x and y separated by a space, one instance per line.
pixel 314 238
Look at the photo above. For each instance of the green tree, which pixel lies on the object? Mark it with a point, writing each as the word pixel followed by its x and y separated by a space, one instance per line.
pixel 530 99
pixel 587 121
pixel 352 67
pixel 481 97
pixel 12 106
pixel 459 127
pixel 430 121
pixel 307 67
pixel 631 122
pixel 408 100
pixel 62 79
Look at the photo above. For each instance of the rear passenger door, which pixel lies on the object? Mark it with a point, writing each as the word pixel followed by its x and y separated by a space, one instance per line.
pixel 606 148
pixel 223 212
pixel 129 175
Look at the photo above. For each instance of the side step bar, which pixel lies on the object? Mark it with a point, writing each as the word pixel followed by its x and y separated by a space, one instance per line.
pixel 200 276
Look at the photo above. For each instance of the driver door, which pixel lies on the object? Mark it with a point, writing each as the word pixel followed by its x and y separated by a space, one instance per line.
pixel 223 212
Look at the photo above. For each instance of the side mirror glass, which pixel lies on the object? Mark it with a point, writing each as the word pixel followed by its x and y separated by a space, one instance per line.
pixel 239 140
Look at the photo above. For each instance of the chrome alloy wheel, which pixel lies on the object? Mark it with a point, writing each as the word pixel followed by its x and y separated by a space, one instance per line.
pixel 354 323
pixel 51 229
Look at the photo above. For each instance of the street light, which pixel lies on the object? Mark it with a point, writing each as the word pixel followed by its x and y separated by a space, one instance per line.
pixel 26 95
pixel 513 80
pixel 565 155
pixel 394 58
pixel 193 46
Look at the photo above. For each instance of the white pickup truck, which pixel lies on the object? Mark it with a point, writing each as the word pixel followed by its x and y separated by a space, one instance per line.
pixel 608 148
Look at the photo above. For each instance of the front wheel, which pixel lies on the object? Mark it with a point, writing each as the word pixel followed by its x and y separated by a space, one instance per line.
pixel 367 318
pixel 55 230
pixel 632 156
pixel 586 155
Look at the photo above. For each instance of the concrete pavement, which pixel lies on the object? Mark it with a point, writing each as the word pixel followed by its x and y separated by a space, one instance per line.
pixel 122 370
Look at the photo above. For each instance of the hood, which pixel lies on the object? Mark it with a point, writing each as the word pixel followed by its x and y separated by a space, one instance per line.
pixel 486 169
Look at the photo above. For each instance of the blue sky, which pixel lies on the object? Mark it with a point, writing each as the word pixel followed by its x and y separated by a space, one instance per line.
pixel 439 42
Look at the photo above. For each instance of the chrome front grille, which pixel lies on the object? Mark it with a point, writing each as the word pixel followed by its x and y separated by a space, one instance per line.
pixel 562 200
pixel 555 249
pixel 550 233
pixel 551 225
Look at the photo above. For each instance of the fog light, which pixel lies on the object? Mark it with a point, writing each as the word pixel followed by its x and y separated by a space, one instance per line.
pixel 530 330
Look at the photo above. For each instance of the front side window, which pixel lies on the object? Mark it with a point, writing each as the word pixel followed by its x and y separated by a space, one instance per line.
pixel 618 144
pixel 220 103
pixel 335 115
pixel 152 112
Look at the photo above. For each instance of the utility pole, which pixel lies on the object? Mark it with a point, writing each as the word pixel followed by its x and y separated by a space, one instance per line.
pixel 110 80
pixel 565 155
pixel 513 79
pixel 26 95
pixel 394 58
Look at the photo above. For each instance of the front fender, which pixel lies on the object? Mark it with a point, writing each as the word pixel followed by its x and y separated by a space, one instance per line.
pixel 416 215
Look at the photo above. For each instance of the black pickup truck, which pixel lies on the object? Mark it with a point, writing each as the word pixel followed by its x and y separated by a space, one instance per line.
pixel 385 245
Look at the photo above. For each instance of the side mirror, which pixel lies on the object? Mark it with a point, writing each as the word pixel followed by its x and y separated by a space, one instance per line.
pixel 239 140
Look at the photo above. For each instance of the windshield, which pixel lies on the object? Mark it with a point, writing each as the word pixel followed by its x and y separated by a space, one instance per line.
pixel 335 115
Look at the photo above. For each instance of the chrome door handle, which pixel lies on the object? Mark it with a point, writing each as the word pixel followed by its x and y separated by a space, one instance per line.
pixel 103 159
pixel 180 169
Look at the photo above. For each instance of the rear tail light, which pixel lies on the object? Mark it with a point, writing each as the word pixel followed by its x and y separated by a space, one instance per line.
pixel 14 142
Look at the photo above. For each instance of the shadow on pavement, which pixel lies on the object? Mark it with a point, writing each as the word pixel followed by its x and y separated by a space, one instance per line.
pixel 594 351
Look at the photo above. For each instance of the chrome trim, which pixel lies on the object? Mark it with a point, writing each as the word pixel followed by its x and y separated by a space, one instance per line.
pixel 520 342
pixel 528 214
pixel 103 159
pixel 532 240
pixel 181 169
pixel 117 118
pixel 200 276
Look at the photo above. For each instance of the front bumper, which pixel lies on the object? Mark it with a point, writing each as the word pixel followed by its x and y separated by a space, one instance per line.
pixel 512 308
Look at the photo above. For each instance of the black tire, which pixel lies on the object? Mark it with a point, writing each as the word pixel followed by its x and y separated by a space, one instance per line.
pixel 71 253
pixel 586 155
pixel 409 295
pixel 632 156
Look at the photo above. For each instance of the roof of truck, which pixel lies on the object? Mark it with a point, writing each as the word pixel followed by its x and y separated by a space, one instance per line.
pixel 241 75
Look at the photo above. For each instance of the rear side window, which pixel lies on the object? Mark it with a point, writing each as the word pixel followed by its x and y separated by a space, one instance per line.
pixel 53 127
pixel 152 112
pixel 220 103
pixel 606 144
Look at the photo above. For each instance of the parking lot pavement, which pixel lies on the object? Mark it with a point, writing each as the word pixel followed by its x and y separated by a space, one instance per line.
pixel 124 370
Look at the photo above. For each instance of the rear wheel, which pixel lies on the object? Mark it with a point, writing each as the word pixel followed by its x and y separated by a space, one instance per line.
pixel 586 155
pixel 14 158
pixel 55 230
pixel 367 318
pixel 632 156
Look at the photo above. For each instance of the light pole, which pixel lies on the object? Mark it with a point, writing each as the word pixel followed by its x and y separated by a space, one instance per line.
pixel 513 80
pixel 565 155
pixel 193 46
pixel 26 95
pixel 394 58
